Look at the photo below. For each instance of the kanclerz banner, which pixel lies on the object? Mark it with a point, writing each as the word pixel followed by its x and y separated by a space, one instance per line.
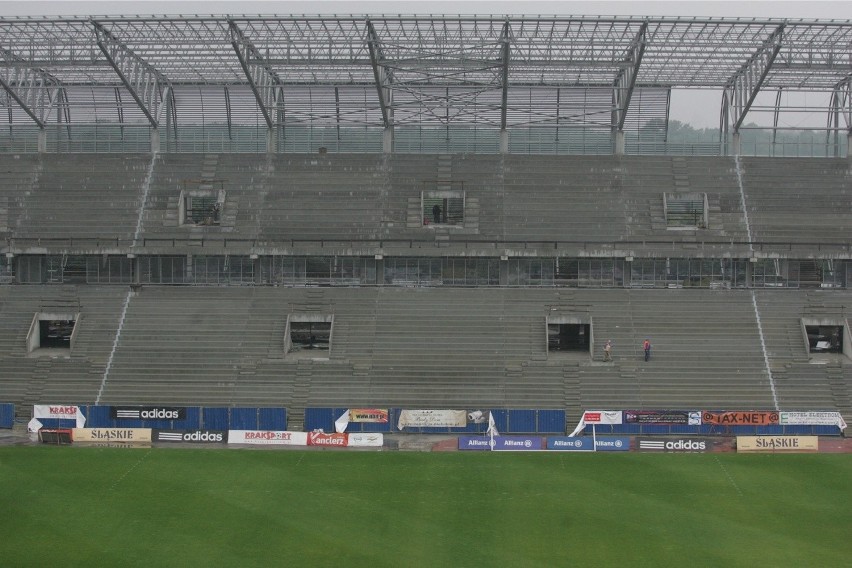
pixel 684 417
pixel 192 436
pixel 740 418
pixel 380 415
pixel 777 443
pixel 122 435
pixel 328 440
pixel 432 419
pixel 147 412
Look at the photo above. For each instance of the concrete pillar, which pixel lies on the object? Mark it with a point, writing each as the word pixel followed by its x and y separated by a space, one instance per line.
pixel 387 140
pixel 618 142
pixel 736 144
pixel 271 141
pixel 849 145
pixel 42 141
pixel 749 272
pixel 504 141
pixel 504 271
pixel 258 272
pixel 626 272
pixel 380 269
pixel 155 140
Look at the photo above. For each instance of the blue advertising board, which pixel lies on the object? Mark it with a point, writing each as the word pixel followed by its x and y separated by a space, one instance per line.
pixel 502 443
pixel 584 444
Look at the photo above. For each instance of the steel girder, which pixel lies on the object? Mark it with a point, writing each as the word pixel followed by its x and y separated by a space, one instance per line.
pixel 493 71
pixel 35 90
pixel 744 86
pixel 625 81
pixel 264 82
pixel 142 81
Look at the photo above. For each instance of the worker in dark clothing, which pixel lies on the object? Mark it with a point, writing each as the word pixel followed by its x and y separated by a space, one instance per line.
pixel 436 213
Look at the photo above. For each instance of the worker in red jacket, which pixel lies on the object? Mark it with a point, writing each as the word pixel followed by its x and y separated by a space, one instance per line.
pixel 646 347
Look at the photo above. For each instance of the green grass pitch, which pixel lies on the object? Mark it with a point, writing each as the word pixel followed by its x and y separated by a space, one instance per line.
pixel 74 506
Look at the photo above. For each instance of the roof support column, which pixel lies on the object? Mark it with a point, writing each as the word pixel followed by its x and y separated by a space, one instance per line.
pixel 35 91
pixel 383 86
pixel 141 80
pixel 264 82
pixel 622 88
pixel 504 80
pixel 742 88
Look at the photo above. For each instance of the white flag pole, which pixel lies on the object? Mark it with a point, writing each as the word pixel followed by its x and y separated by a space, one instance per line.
pixel 594 439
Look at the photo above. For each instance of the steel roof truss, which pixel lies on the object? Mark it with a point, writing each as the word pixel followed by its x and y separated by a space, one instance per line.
pixel 141 80
pixel 744 86
pixel 264 82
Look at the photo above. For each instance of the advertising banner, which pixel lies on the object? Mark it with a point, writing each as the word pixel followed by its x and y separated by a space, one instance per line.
pixel 367 440
pixel 684 417
pixel 612 444
pixel 147 412
pixel 432 419
pixel 777 443
pixel 669 445
pixel 517 443
pixel 502 443
pixel 812 419
pixel 268 437
pixel 122 435
pixel 740 418
pixel 61 412
pixel 474 443
pixel 568 444
pixel 328 440
pixel 602 417
pixel 380 415
pixel 191 436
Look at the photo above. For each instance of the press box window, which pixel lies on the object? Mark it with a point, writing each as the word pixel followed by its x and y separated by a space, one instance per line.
pixel 568 334
pixel 443 207
pixel 308 335
pixel 201 207
pixel 52 331
pixel 685 210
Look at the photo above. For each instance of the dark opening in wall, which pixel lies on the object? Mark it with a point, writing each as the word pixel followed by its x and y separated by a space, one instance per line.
pixel 568 337
pixel 443 207
pixel 56 333
pixel 825 338
pixel 310 335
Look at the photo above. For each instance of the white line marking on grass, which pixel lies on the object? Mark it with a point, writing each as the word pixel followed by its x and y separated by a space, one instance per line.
pixel 126 473
pixel 728 475
pixel 301 457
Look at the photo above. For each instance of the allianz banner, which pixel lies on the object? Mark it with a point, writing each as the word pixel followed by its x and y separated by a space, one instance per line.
pixel 777 443
pixel 501 443
pixel 123 435
pixel 740 418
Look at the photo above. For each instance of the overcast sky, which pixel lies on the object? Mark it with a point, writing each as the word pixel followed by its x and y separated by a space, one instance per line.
pixel 700 109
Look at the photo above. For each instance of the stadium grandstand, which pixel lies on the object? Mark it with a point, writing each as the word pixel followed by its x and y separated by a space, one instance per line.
pixel 422 212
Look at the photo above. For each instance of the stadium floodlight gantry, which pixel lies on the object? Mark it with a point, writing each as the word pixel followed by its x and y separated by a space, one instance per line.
pixel 400 83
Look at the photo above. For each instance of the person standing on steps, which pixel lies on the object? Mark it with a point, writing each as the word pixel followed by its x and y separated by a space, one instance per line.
pixel 607 350
pixel 646 347
pixel 436 213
